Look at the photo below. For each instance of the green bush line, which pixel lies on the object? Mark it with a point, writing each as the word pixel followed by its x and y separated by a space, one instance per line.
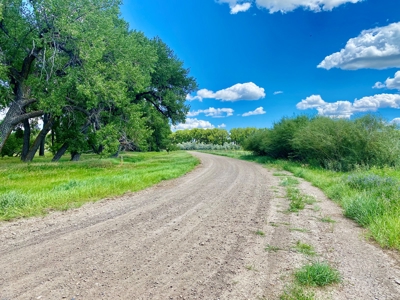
pixel 369 196
pixel 36 188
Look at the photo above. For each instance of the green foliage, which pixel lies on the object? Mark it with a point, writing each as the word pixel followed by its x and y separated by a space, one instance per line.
pixel 100 93
pixel 336 144
pixel 35 188
pixel 295 292
pixel 213 136
pixel 317 274
pixel 205 147
pixel 340 144
pixel 13 145
pixel 239 135
pixel 304 248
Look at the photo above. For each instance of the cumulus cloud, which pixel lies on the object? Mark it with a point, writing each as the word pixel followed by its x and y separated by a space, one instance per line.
pixel 193 123
pixel 395 121
pixel 222 126
pixel 192 98
pixel 278 92
pixel 237 6
pixel 258 111
pixel 240 8
pixel 379 85
pixel 212 112
pixel 313 101
pixel 237 92
pixel 289 5
pixel 390 83
pixel 345 109
pixel 377 48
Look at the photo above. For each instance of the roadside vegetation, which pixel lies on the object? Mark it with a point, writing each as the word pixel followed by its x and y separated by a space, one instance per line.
pixel 39 187
pixel 355 162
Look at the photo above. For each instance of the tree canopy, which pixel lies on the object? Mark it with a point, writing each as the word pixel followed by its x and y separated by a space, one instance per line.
pixel 96 84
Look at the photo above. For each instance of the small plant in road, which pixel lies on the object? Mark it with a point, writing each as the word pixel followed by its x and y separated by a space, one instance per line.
pixel 317 274
pixel 304 248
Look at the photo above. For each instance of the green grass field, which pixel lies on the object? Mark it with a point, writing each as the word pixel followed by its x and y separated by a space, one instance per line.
pixel 369 197
pixel 38 187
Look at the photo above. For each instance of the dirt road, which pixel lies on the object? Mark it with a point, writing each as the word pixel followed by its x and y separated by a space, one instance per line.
pixel 190 238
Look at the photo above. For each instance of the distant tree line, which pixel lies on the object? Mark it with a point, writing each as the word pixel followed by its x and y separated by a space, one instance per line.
pixel 95 85
pixel 215 136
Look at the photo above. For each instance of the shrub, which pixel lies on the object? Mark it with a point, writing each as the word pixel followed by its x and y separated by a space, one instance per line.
pixel 317 274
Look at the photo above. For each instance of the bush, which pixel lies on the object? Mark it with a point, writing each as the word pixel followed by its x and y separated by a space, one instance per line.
pixel 276 142
pixel 344 145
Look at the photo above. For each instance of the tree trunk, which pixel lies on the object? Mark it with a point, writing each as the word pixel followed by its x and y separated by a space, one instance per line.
pixel 75 156
pixel 16 113
pixel 60 152
pixel 27 139
pixel 45 121
pixel 38 141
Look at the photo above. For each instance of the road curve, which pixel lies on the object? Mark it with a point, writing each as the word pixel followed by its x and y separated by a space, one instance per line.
pixel 189 238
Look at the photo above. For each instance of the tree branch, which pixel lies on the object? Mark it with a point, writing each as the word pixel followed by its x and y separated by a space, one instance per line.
pixel 20 118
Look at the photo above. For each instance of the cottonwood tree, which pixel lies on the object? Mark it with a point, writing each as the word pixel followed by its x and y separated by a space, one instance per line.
pixel 77 60
pixel 43 42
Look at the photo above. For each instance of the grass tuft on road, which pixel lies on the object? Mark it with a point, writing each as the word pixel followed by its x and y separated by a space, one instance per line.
pixel 39 187
pixel 317 274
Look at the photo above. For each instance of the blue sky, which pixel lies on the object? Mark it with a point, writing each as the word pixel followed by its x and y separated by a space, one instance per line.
pixel 257 61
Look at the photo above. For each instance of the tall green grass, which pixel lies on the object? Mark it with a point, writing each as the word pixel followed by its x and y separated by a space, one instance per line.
pixel 371 197
pixel 38 187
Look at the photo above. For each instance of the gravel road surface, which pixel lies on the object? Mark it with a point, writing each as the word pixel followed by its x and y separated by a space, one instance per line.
pixel 191 238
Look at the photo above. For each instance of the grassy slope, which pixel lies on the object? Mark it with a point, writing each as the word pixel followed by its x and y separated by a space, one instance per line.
pixel 35 188
pixel 370 197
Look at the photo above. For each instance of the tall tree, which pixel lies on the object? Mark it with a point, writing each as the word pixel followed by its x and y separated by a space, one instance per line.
pixel 43 41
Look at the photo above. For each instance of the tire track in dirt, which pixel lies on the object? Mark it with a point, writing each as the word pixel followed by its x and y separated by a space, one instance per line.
pixel 189 238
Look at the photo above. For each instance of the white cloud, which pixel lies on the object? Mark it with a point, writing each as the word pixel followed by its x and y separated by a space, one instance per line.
pixel 193 123
pixel 212 112
pixel 379 85
pixel 240 8
pixel 394 83
pixel 395 121
pixel 237 92
pixel 222 126
pixel 289 5
pixel 236 6
pixel 313 101
pixel 377 48
pixel 345 109
pixel 258 111
pixel 390 83
pixel 192 98
pixel 339 109
pixel 278 92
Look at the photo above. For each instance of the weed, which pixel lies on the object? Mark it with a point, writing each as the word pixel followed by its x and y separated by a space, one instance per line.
pixel 317 274
pixel 327 220
pixel 295 292
pixel 316 208
pixel 296 199
pixel 304 248
pixel 251 268
pixel 273 224
pixel 288 181
pixel 270 248
pixel 260 233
